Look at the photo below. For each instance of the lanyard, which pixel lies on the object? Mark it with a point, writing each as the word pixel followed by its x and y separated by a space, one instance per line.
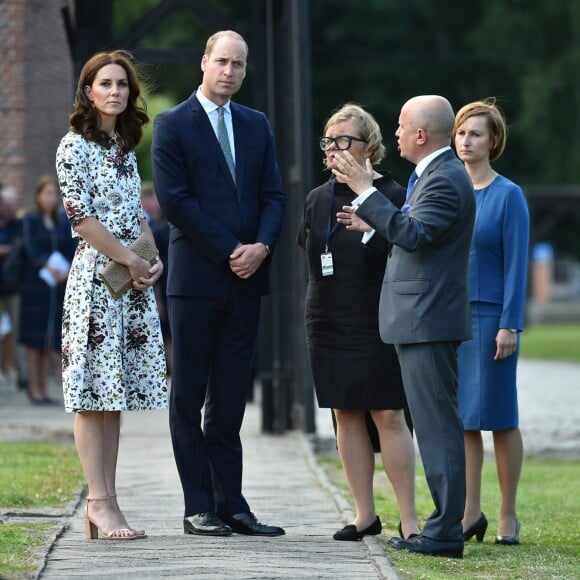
pixel 330 229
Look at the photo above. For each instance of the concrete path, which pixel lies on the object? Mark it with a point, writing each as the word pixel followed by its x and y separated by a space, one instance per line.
pixel 282 482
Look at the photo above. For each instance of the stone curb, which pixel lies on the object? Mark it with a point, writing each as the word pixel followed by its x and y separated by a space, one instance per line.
pixel 374 549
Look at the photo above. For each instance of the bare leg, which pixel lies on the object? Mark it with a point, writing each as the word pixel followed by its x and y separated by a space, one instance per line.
pixel 95 446
pixel 33 361
pixel 112 430
pixel 473 469
pixel 509 456
pixel 398 454
pixel 43 371
pixel 112 425
pixel 358 460
pixel 7 347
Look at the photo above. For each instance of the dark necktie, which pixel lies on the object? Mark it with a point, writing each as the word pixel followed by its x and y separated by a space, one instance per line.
pixel 411 183
pixel 224 142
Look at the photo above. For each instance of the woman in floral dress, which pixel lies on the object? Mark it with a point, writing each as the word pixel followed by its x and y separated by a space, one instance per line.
pixel 113 357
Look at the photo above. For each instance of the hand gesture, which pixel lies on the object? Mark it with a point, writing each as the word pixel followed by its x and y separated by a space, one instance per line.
pixel 349 171
pixel 348 218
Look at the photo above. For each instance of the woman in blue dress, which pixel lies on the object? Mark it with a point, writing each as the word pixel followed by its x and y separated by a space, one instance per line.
pixel 487 363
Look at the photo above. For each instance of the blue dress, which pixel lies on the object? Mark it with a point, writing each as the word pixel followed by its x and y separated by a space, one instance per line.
pixel 41 304
pixel 497 277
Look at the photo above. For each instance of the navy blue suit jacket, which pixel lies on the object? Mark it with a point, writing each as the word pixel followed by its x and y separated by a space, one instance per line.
pixel 209 213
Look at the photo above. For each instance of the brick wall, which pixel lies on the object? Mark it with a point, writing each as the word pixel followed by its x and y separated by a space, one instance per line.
pixel 36 90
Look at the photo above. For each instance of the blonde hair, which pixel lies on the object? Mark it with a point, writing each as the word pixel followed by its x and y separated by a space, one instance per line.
pixel 366 124
pixel 495 123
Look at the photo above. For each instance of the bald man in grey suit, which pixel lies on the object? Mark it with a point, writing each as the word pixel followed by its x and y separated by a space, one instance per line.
pixel 424 306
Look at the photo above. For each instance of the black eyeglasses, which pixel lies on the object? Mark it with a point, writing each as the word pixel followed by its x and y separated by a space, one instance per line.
pixel 341 142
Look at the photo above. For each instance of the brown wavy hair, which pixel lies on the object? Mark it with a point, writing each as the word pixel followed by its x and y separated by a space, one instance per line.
pixel 86 118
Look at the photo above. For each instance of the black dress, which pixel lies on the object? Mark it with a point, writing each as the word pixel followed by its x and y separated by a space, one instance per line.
pixel 351 367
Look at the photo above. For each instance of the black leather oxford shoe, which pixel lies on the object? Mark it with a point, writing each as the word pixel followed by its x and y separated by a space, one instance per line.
pixel 205 524
pixel 422 545
pixel 246 523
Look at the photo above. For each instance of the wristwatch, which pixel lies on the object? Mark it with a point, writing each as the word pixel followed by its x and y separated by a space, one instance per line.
pixel 513 330
pixel 267 248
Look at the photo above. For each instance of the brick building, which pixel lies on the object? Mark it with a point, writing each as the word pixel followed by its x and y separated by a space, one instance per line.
pixel 36 90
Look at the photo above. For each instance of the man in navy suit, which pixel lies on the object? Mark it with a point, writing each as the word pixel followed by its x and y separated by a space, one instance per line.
pixel 216 176
pixel 424 307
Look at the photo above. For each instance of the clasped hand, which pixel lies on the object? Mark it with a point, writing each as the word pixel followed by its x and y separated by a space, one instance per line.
pixel 246 259
pixel 144 274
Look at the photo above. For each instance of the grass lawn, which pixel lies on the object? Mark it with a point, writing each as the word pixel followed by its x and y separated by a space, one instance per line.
pixel 18 543
pixel 548 501
pixel 32 475
pixel 551 342
pixel 548 507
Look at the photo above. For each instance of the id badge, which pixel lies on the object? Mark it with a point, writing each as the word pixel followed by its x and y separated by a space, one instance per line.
pixel 326 262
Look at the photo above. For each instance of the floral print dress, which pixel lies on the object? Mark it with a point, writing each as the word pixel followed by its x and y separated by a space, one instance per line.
pixel 113 357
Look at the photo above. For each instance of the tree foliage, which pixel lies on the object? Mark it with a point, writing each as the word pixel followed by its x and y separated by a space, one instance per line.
pixel 379 53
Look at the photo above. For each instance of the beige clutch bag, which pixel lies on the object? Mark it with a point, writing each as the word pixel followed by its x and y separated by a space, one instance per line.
pixel 116 276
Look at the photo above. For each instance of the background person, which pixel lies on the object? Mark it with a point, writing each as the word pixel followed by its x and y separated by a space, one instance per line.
pixel 216 177
pixel 160 228
pixel 41 299
pixel 353 370
pixel 424 305
pixel 11 365
pixel 113 357
pixel 497 274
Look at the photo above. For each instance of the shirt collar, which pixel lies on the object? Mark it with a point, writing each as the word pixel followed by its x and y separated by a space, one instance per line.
pixel 210 106
pixel 422 165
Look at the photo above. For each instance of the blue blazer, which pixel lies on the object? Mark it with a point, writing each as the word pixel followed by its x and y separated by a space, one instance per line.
pixel 209 213
pixel 499 250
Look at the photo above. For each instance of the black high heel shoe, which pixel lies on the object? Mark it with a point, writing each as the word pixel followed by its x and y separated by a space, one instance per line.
pixel 401 533
pixel 510 540
pixel 351 534
pixel 478 529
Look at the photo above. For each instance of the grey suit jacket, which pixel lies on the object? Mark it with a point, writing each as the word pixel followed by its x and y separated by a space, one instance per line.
pixel 425 294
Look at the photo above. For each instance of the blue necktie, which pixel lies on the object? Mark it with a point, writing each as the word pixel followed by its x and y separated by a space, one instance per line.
pixel 224 142
pixel 411 183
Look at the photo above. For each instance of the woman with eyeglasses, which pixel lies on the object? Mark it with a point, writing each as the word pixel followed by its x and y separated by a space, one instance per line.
pixel 354 372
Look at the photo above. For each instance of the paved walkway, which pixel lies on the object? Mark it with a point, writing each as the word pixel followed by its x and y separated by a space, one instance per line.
pixel 282 481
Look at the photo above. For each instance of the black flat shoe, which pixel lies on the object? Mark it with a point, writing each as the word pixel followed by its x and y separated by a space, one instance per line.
pixel 401 533
pixel 478 529
pixel 510 540
pixel 351 534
